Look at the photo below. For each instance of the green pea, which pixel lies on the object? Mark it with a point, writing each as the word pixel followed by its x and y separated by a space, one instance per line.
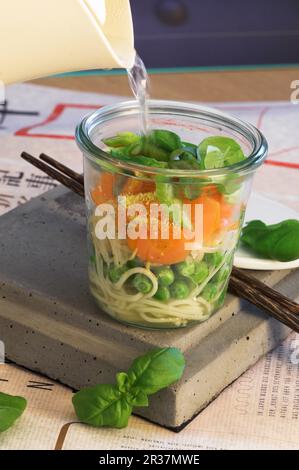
pixel 185 268
pixel 201 272
pixel 142 283
pixel 165 276
pixel 115 272
pixel 213 259
pixel 162 294
pixel 210 292
pixel 179 290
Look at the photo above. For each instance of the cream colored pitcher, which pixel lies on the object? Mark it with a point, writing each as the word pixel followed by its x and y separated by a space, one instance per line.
pixel 45 37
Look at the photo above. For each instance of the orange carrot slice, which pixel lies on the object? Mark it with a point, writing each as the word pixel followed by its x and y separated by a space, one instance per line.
pixel 158 250
pixel 104 190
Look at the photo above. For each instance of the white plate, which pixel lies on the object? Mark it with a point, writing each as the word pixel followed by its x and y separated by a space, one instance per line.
pixel 270 212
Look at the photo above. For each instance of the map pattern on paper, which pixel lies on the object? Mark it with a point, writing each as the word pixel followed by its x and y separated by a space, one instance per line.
pixel 261 409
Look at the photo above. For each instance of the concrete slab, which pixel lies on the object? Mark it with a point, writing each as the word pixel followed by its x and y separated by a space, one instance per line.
pixel 50 324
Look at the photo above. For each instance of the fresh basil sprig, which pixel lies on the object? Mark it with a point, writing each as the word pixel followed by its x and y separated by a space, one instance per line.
pixel 11 408
pixel 102 405
pixel 112 405
pixel 279 241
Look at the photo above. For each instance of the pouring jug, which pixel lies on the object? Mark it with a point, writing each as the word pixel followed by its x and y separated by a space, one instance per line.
pixel 40 38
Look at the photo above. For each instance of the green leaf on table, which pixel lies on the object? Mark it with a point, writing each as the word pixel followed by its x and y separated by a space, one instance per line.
pixel 102 405
pixel 219 152
pixel 112 405
pixel 122 381
pixel 11 408
pixel 137 397
pixel 278 241
pixel 156 370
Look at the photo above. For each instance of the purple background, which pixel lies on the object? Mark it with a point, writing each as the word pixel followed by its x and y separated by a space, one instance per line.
pixel 173 33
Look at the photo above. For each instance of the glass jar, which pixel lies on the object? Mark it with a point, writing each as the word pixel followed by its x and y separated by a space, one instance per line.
pixel 139 274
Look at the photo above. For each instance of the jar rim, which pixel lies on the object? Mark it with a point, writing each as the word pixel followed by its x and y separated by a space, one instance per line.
pixel 183 109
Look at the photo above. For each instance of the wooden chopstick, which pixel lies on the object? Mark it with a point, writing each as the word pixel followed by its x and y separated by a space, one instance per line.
pixel 67 181
pixel 241 284
pixel 62 168
pixel 256 292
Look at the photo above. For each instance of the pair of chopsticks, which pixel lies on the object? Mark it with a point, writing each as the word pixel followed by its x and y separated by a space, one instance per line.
pixel 241 284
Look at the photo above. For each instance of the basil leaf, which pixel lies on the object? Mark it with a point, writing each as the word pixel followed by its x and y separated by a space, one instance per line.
pixel 122 139
pixel 102 405
pixel 112 405
pixel 122 382
pixel 11 408
pixel 213 159
pixel 156 370
pixel 218 152
pixel 166 140
pixel 278 241
pixel 137 397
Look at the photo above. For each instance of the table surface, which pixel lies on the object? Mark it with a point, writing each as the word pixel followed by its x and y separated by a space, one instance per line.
pixel 247 85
